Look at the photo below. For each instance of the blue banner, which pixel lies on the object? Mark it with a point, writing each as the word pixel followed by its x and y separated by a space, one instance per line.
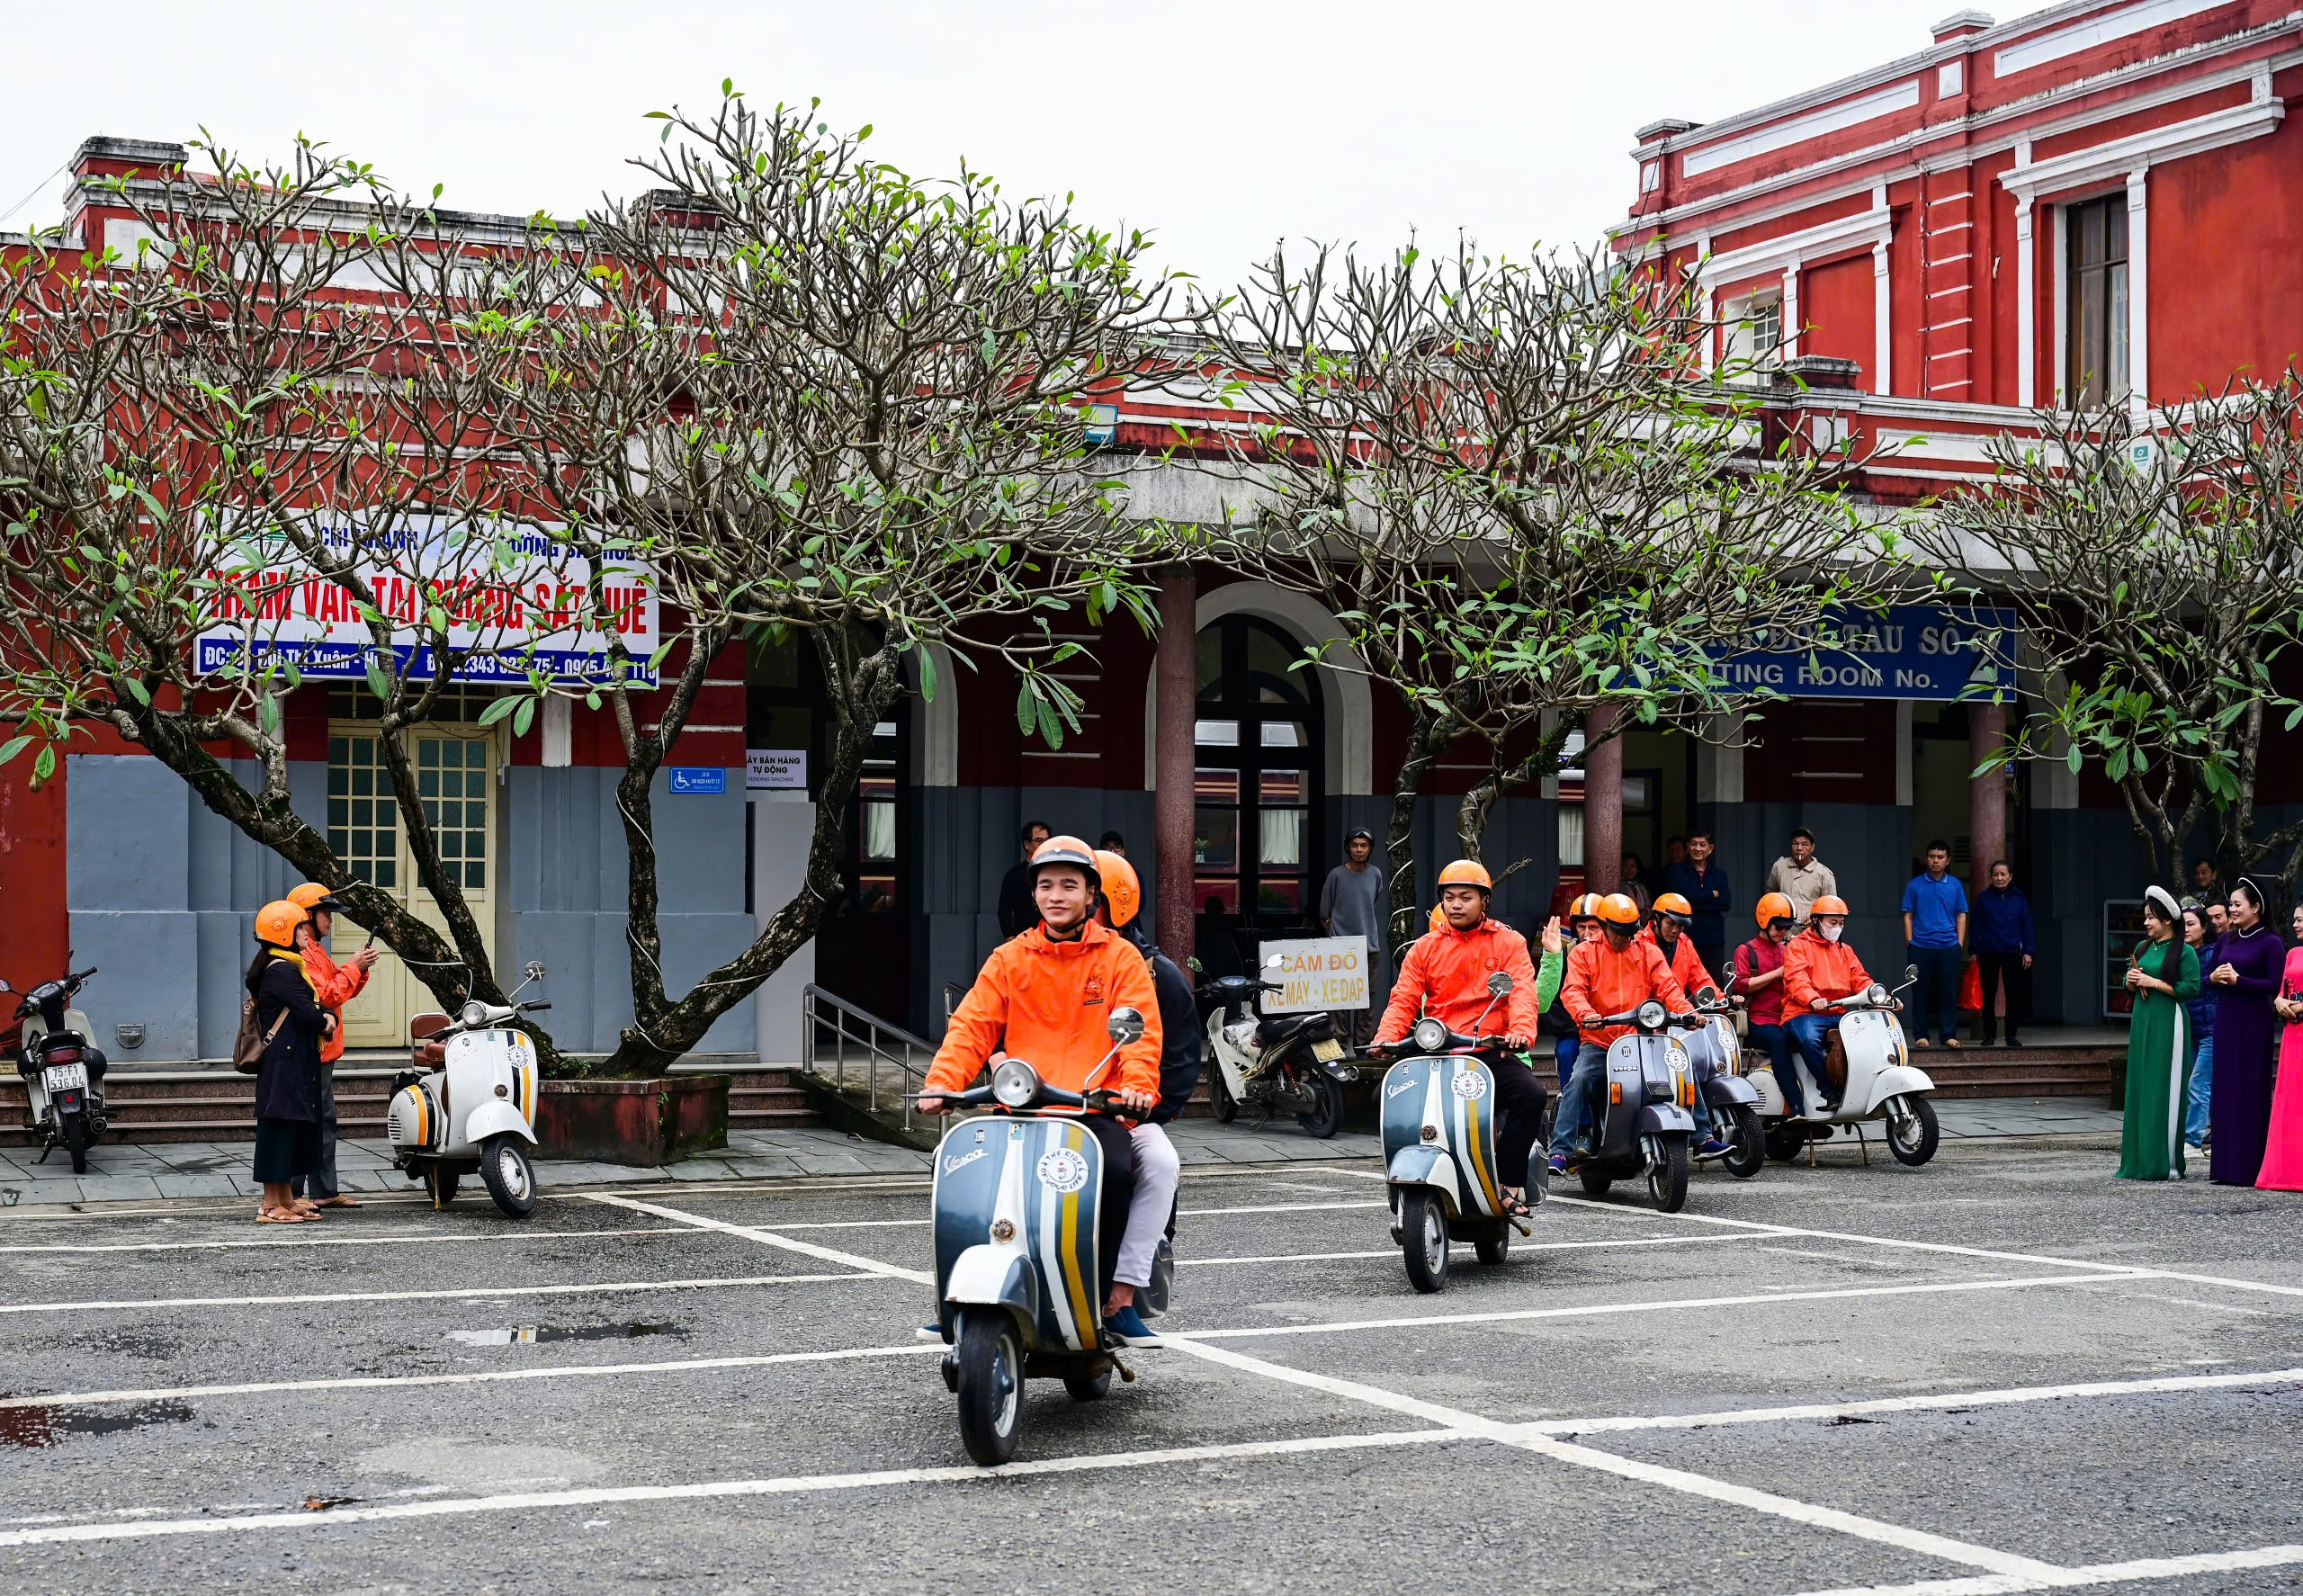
pixel 348 662
pixel 1924 651
pixel 697 778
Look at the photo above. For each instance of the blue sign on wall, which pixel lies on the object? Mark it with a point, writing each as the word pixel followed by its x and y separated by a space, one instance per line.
pixel 1926 651
pixel 697 778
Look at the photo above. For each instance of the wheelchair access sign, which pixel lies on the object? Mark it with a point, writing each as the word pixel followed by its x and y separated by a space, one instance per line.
pixel 1318 974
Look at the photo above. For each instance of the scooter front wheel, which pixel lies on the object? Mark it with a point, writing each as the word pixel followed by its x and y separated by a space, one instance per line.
pixel 1423 1227
pixel 991 1362
pixel 509 1176
pixel 1219 1100
pixel 1912 1132
pixel 1750 1142
pixel 1667 1172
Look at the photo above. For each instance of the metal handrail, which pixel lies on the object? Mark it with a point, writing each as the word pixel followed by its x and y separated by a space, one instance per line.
pixel 881 1042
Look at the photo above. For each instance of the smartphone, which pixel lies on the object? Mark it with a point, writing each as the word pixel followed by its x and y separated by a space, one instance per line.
pixel 369 943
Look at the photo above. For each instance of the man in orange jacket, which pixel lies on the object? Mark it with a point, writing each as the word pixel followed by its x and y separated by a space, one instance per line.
pixel 1818 969
pixel 1045 997
pixel 1668 926
pixel 333 986
pixel 1612 975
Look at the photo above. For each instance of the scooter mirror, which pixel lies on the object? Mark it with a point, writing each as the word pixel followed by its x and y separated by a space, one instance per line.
pixel 5 987
pixel 534 970
pixel 1126 1025
pixel 1911 973
pixel 1275 962
pixel 1500 984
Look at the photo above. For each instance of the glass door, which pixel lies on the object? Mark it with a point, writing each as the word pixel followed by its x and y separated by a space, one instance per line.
pixel 1255 790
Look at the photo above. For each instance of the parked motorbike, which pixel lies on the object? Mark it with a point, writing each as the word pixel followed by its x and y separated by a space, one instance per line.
pixel 469 1103
pixel 1646 1109
pixel 1017 1257
pixel 1731 1103
pixel 1290 1064
pixel 1440 1125
pixel 1872 1076
pixel 62 1069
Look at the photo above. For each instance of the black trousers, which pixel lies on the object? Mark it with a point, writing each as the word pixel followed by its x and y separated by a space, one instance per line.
pixel 1992 968
pixel 1116 1196
pixel 1520 1110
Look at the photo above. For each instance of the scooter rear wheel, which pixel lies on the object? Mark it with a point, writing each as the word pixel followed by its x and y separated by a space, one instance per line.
pixel 1423 1229
pixel 76 1140
pixel 991 1360
pixel 1494 1248
pixel 440 1185
pixel 509 1176
pixel 1750 1142
pixel 1667 1180
pixel 1326 1116
pixel 1596 1185
pixel 1913 1143
pixel 1088 1387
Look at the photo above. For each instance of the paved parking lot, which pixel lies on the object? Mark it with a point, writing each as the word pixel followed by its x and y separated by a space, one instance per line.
pixel 2003 1372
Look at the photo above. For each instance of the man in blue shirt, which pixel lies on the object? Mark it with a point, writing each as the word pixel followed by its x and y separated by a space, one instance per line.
pixel 1703 885
pixel 1935 924
pixel 2005 941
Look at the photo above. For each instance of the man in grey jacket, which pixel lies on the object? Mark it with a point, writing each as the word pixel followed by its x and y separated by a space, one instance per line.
pixel 1351 904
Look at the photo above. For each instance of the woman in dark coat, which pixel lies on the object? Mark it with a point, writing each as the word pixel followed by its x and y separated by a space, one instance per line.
pixel 288 1082
pixel 2250 961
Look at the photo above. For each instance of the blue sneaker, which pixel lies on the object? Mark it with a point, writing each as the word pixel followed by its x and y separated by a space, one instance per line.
pixel 1711 1147
pixel 1127 1328
pixel 1556 1163
pixel 933 1331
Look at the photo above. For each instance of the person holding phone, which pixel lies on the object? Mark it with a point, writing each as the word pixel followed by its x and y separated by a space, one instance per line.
pixel 333 986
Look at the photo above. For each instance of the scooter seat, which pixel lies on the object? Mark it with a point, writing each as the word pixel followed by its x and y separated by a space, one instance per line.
pixel 1286 1026
pixel 428 1054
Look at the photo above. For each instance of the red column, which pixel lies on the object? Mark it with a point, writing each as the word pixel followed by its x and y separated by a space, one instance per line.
pixel 1986 795
pixel 1602 803
pixel 1175 698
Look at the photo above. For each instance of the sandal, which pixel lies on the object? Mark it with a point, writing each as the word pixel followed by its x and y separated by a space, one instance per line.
pixel 1515 1206
pixel 337 1201
pixel 281 1216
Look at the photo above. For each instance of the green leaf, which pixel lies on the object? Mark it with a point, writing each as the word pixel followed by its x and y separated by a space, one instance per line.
pixel 378 683
pixel 525 717
pixel 268 715
pixel 927 677
pixel 2075 760
pixel 12 748
pixel 44 765
pixel 1026 709
pixel 498 709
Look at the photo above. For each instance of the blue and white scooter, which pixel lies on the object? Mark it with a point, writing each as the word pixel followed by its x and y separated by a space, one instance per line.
pixel 1439 1119
pixel 1017 1257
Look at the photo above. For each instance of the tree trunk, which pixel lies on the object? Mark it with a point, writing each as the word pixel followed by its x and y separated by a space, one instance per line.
pixel 1429 732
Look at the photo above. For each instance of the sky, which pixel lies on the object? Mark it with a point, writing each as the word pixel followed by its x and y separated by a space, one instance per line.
pixel 1221 126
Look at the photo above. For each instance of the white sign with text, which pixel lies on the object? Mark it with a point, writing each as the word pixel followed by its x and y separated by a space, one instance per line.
pixel 1317 973
pixel 785 769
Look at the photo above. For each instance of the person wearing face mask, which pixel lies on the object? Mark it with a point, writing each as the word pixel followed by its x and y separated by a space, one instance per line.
pixel 1818 969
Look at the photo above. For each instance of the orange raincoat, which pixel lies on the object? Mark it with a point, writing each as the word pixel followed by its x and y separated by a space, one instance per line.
pixel 1814 968
pixel 333 986
pixel 1686 965
pixel 1045 1003
pixel 1445 975
pixel 1601 981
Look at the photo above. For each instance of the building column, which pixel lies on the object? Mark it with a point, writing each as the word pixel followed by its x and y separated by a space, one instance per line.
pixel 2026 353
pixel 1986 794
pixel 1174 705
pixel 1602 802
pixel 1791 311
pixel 2138 294
pixel 1883 329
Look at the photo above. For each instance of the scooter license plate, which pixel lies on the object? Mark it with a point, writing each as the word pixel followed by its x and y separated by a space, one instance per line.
pixel 1327 1052
pixel 61 1078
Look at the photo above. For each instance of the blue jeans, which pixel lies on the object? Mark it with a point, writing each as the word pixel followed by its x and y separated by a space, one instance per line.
pixel 1777 1040
pixel 1808 1031
pixel 1580 1099
pixel 2202 1084
pixel 1937 1005
pixel 1564 1050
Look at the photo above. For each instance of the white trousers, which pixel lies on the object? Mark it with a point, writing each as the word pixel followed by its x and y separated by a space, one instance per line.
pixel 1158 1172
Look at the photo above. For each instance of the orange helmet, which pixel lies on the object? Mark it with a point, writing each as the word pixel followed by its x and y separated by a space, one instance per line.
pixel 1467 873
pixel 1827 904
pixel 1677 907
pixel 1438 917
pixel 1773 907
pixel 1065 850
pixel 1619 909
pixel 1585 907
pixel 312 895
pixel 276 923
pixel 1122 891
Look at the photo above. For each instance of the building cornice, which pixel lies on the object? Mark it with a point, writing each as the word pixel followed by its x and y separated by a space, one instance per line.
pixel 1846 236
pixel 2027 180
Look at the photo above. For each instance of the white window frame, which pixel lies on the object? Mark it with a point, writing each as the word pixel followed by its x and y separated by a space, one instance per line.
pixel 1740 336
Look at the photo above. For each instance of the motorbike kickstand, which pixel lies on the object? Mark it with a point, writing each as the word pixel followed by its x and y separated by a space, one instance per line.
pixel 47 1147
pixel 1520 1224
pixel 1126 1374
pixel 1862 1145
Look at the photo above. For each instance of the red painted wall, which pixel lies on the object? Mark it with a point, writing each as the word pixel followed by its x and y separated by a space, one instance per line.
pixel 1837 300
pixel 37 934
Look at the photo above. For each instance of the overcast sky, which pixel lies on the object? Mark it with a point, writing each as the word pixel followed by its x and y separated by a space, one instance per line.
pixel 1219 124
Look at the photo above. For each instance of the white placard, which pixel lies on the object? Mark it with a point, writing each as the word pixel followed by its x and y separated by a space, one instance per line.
pixel 782 768
pixel 1317 973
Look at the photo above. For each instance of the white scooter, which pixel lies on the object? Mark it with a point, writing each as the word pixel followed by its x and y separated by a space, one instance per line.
pixel 469 1104
pixel 62 1069
pixel 1880 1082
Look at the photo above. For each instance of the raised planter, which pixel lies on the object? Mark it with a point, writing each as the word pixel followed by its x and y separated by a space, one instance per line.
pixel 641 1123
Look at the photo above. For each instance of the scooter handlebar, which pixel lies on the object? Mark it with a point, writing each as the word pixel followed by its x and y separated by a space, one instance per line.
pixel 536 1007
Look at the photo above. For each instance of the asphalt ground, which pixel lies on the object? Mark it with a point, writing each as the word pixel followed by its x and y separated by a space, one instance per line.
pixel 2005 1371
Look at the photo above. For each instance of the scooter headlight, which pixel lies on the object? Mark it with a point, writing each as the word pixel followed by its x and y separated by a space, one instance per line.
pixel 1650 1015
pixel 1430 1035
pixel 1877 997
pixel 1014 1083
pixel 475 1015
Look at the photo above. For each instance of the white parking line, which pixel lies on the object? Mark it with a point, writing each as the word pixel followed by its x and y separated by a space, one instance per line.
pixel 766 1237
pixel 1920 1541
pixel 407 1296
pixel 2092 1573
pixel 708 1490
pixel 1517 1247
pixel 429 1238
pixel 1180 1213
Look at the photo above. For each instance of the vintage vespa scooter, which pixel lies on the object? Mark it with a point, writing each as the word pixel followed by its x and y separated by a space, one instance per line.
pixel 1731 1103
pixel 1873 1078
pixel 471 1103
pixel 62 1069
pixel 1017 1260
pixel 1439 1119
pixel 1646 1108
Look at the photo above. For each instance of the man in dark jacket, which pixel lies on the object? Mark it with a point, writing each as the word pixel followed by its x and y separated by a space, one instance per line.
pixel 2005 939
pixel 1018 912
pixel 1703 885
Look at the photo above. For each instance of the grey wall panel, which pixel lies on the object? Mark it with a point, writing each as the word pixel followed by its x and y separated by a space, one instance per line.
pixel 226 944
pixel 128 837
pixel 148 965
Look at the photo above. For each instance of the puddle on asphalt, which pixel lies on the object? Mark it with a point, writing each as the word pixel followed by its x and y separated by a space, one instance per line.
pixel 49 1426
pixel 522 1335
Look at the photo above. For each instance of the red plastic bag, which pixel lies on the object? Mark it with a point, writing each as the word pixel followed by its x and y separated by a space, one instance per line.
pixel 1971 989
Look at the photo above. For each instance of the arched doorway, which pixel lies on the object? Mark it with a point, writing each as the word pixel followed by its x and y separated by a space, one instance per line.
pixel 1258 788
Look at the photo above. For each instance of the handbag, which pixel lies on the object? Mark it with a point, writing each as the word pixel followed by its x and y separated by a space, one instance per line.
pixel 1971 988
pixel 248 1047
